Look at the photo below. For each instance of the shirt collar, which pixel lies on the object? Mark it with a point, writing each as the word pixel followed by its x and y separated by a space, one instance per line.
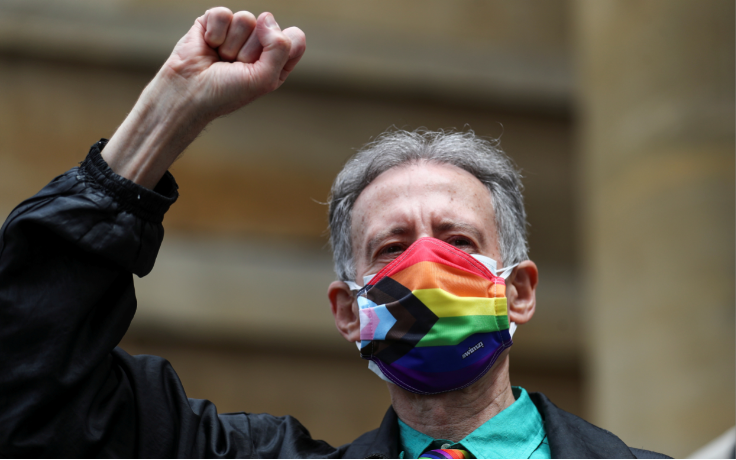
pixel 515 432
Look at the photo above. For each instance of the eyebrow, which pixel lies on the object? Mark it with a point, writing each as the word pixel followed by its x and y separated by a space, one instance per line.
pixel 444 226
pixel 450 225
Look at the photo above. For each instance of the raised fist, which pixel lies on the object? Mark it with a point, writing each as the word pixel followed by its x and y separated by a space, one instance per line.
pixel 227 60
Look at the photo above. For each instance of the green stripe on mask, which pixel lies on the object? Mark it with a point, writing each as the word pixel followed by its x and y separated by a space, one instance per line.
pixel 454 329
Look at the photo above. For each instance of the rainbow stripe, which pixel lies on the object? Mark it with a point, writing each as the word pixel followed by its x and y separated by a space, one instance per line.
pixel 446 453
pixel 434 318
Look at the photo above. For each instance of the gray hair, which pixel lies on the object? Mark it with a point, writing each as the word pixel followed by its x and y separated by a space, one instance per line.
pixel 480 157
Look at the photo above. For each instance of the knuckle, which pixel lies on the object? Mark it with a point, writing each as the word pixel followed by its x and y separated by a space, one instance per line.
pixel 281 42
pixel 221 10
pixel 245 16
pixel 244 23
pixel 221 15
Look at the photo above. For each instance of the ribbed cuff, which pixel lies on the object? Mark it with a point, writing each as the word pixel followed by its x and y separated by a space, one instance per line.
pixel 147 204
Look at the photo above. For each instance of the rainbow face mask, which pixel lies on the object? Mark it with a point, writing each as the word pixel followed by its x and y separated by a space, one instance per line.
pixel 435 318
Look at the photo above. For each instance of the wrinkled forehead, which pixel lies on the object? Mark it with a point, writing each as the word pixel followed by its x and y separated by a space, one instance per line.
pixel 421 193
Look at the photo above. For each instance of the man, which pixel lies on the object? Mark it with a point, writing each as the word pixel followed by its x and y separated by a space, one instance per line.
pixel 427 228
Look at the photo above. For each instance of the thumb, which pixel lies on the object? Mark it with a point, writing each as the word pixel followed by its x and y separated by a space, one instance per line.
pixel 276 46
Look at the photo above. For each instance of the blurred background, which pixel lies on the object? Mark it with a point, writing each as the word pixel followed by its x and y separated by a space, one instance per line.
pixel 620 115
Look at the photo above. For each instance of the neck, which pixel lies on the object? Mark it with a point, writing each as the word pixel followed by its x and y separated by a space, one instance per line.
pixel 456 414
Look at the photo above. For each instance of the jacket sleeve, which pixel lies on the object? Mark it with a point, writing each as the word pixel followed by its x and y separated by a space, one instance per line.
pixel 67 256
pixel 66 299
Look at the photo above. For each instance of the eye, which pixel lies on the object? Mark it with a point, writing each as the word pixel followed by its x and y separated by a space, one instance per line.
pixel 392 249
pixel 462 242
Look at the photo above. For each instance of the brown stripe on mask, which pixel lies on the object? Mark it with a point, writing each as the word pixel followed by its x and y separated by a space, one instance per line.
pixel 413 319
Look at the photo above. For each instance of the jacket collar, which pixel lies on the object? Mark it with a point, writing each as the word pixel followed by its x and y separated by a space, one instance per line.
pixel 382 442
pixel 569 436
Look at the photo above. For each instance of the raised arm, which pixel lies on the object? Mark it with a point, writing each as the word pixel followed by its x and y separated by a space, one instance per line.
pixel 67 256
pixel 224 62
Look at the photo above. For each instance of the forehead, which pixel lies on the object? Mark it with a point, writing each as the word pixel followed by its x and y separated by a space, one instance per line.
pixel 421 195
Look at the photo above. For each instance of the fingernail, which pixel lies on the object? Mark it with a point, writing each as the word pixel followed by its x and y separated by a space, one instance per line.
pixel 271 22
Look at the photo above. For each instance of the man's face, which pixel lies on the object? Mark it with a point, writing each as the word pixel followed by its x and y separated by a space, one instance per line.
pixel 416 201
pixel 419 200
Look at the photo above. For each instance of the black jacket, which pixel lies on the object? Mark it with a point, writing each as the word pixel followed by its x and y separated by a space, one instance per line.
pixel 67 259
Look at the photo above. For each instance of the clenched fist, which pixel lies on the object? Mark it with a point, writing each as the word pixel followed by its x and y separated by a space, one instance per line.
pixel 224 62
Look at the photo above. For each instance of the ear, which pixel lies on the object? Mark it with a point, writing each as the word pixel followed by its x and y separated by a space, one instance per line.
pixel 345 310
pixel 521 292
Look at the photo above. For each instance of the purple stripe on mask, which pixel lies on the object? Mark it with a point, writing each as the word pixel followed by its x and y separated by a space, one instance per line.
pixel 437 382
pixel 448 358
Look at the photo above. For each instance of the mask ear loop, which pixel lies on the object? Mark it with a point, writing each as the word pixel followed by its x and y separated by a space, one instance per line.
pixel 353 286
pixel 504 273
pixel 490 264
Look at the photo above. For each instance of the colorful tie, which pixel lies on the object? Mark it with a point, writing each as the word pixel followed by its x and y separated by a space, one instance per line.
pixel 446 453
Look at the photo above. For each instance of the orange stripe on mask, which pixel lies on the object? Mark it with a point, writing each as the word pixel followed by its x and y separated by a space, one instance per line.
pixel 434 275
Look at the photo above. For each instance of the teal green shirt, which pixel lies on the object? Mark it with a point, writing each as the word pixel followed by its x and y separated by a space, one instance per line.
pixel 516 432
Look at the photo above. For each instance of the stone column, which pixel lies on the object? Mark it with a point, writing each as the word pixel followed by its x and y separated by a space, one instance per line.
pixel 656 108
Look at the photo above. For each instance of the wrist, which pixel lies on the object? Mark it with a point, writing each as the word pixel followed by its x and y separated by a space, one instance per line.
pixel 163 122
pixel 169 102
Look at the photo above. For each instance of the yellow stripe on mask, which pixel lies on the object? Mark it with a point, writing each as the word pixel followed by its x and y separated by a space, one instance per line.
pixel 444 304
